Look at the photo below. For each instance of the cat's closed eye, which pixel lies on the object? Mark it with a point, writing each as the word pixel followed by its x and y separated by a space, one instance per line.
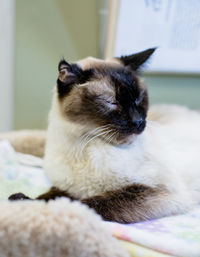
pixel 109 101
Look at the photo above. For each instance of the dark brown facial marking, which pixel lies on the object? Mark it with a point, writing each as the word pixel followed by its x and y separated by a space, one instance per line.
pixel 113 96
pixel 102 93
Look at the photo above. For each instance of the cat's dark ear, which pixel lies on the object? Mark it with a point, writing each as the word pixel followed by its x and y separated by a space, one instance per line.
pixel 69 75
pixel 135 61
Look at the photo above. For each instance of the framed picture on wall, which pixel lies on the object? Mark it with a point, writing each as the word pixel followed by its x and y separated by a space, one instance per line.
pixel 171 26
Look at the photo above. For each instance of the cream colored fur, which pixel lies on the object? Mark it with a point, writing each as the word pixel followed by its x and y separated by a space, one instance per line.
pixel 27 141
pixel 167 153
pixel 57 229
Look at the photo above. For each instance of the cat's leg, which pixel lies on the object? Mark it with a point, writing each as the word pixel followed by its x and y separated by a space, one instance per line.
pixel 52 194
pixel 18 196
pixel 134 203
pixel 130 204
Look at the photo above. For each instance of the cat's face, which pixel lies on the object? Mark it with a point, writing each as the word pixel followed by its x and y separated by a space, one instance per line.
pixel 106 97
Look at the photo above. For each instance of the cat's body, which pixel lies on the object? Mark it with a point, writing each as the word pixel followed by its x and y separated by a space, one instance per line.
pixel 167 153
pixel 103 149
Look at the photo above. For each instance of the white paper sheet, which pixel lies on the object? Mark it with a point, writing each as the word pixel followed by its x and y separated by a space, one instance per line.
pixel 171 25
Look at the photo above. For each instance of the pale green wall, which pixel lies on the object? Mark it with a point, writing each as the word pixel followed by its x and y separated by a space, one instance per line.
pixel 179 89
pixel 47 30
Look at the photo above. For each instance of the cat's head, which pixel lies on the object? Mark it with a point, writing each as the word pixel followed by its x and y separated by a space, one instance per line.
pixel 105 98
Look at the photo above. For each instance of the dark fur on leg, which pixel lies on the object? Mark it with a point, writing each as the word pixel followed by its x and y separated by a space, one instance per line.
pixel 52 194
pixel 18 196
pixel 130 204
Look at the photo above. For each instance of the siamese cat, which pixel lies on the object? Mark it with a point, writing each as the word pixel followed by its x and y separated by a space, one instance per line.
pixel 107 150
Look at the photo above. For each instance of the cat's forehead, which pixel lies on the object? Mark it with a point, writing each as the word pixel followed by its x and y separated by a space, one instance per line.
pixel 110 70
pixel 91 62
pixel 108 75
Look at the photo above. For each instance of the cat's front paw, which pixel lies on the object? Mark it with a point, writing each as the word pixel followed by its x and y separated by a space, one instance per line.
pixel 18 196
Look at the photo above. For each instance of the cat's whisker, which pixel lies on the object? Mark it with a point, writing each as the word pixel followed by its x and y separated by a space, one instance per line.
pixel 90 134
pixel 89 137
pixel 115 136
pixel 96 130
pixel 109 138
pixel 85 137
pixel 151 123
pixel 98 135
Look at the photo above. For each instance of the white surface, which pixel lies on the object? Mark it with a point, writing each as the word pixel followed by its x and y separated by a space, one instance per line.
pixel 20 173
pixel 6 63
pixel 173 26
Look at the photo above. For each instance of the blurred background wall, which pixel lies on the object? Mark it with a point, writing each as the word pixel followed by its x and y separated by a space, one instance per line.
pixel 7 14
pixel 46 31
